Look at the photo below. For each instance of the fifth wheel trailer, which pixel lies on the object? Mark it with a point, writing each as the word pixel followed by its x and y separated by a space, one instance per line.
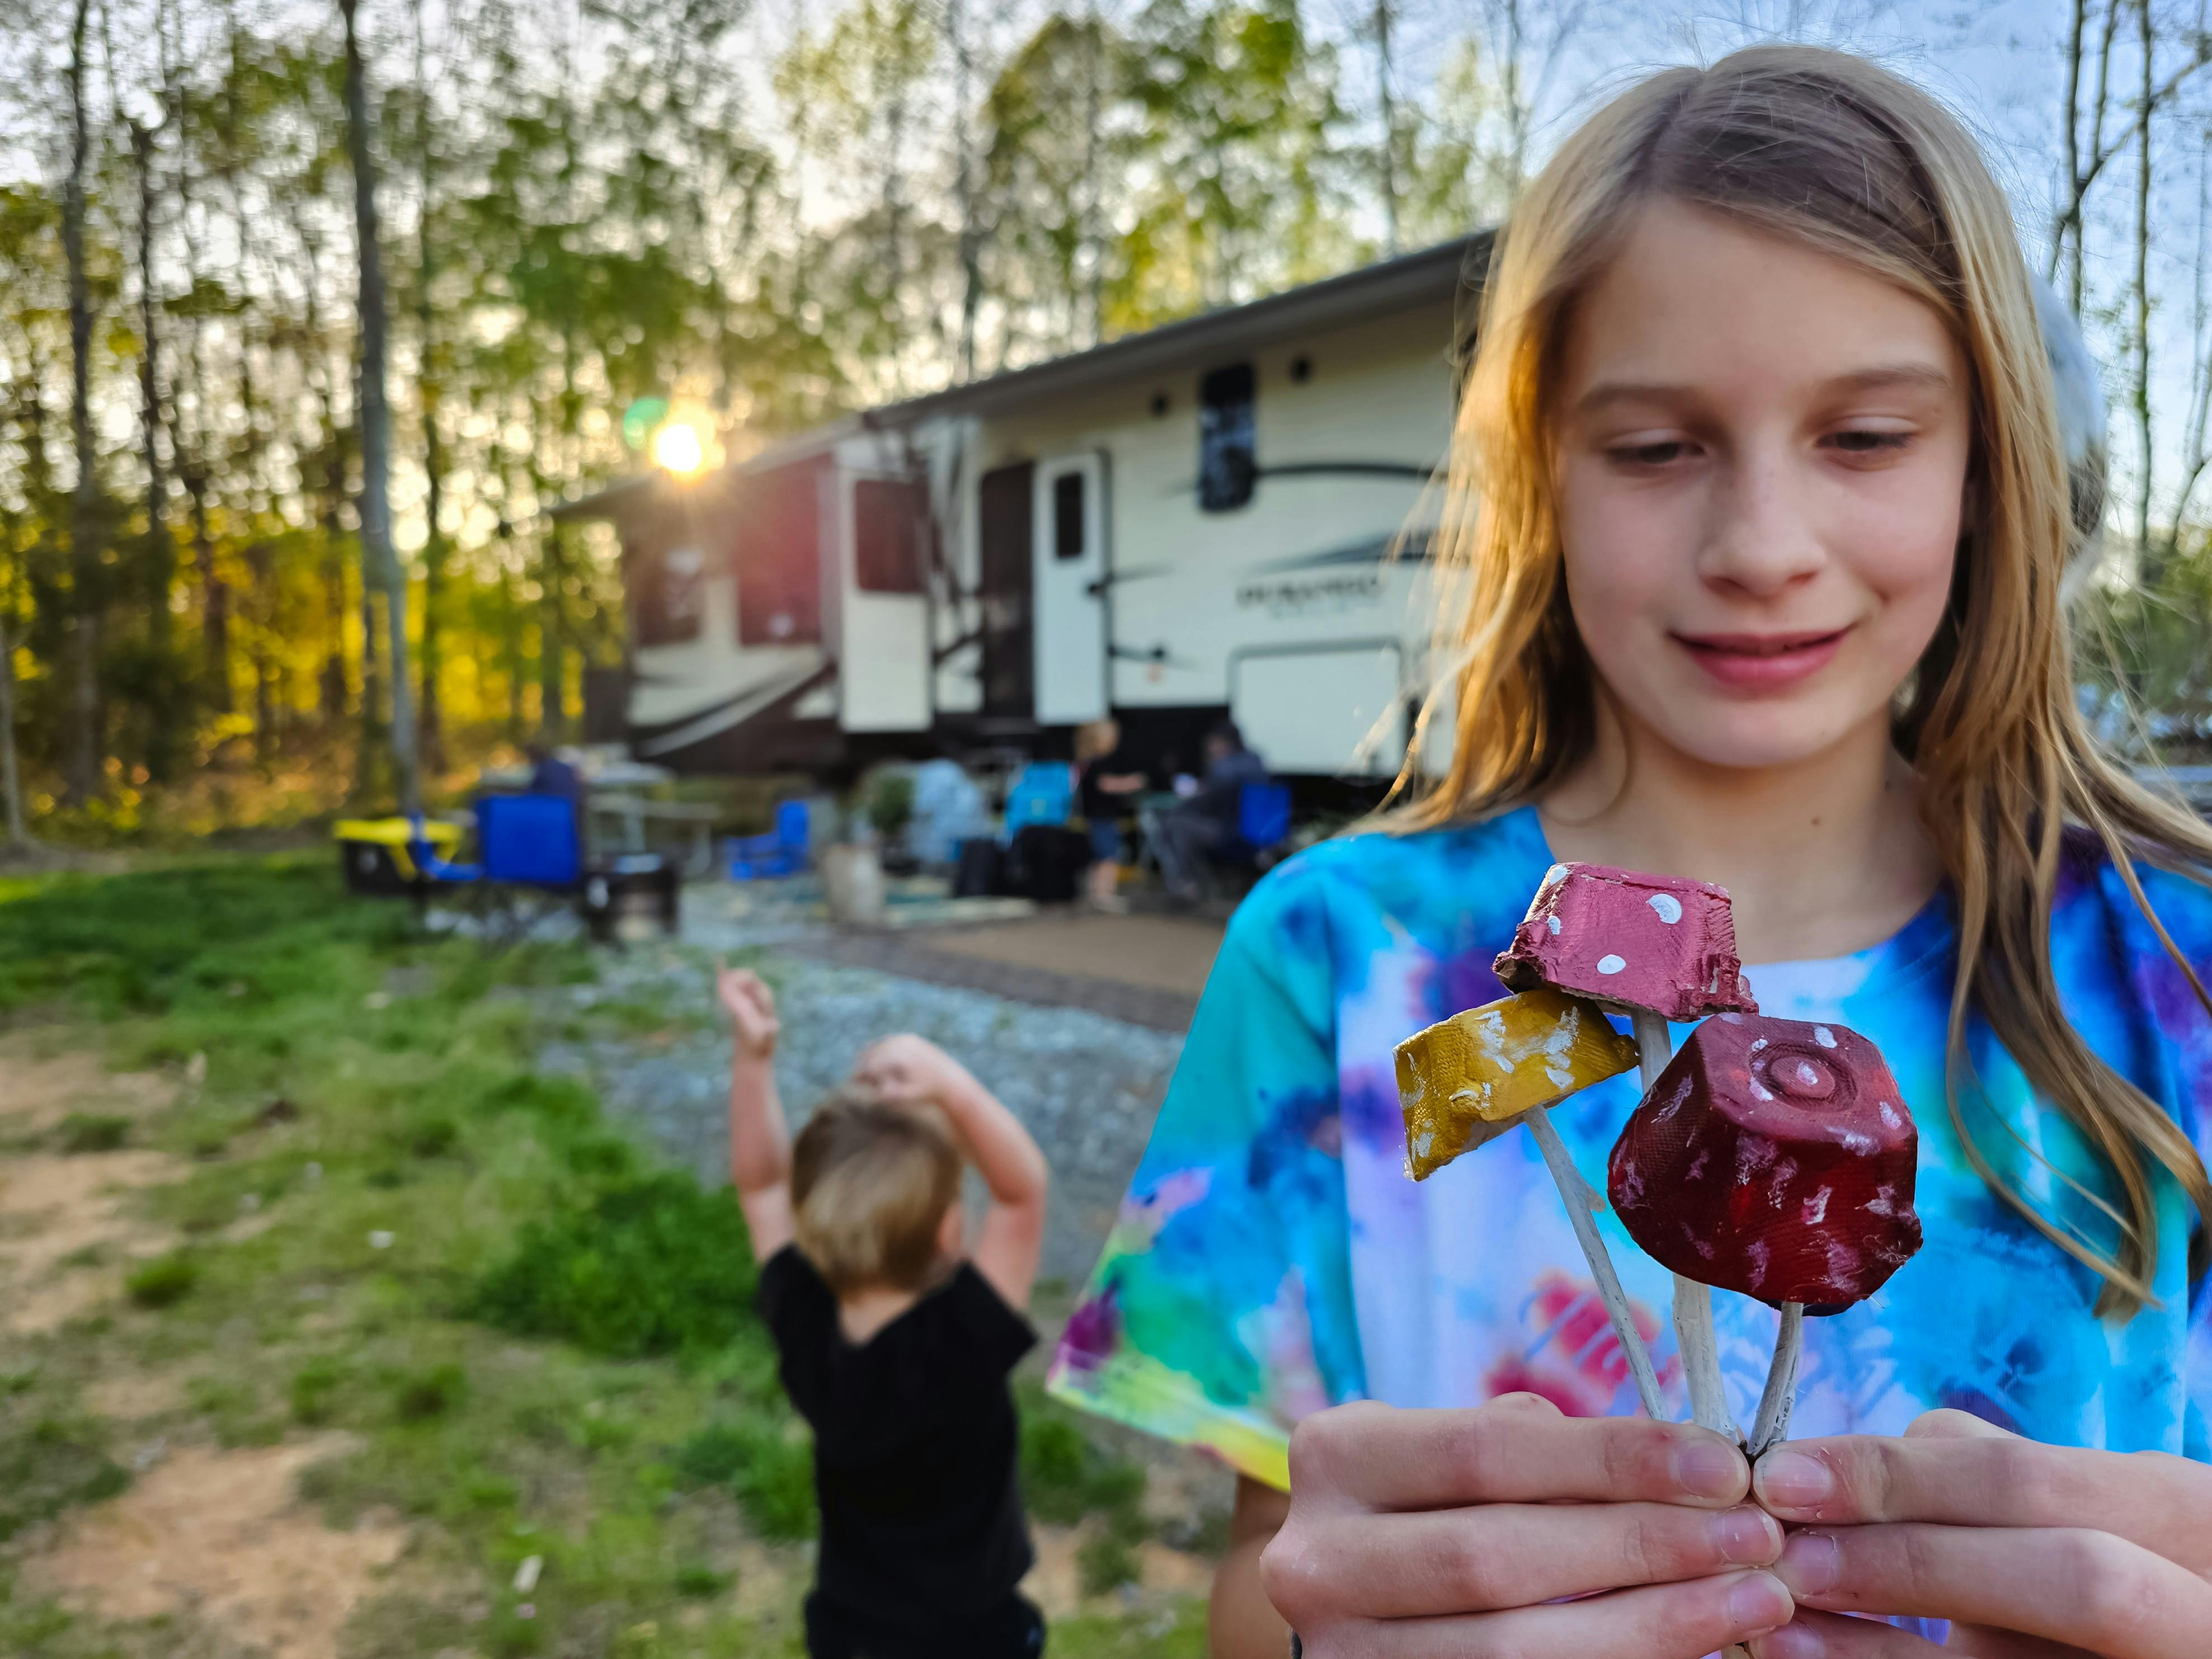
pixel 1226 515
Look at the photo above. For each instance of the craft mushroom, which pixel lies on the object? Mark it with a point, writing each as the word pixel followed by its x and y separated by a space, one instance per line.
pixel 1774 1157
pixel 1658 948
pixel 1467 1079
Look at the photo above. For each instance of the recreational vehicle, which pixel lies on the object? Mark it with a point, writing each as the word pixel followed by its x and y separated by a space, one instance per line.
pixel 1226 515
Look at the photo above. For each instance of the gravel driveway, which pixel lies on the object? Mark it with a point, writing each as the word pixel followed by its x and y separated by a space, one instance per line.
pixel 1087 1086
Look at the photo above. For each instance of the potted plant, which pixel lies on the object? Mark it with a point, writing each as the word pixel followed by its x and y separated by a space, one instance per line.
pixel 890 809
pixel 852 871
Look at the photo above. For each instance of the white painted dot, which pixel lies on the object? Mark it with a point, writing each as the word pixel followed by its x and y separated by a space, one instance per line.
pixel 1611 964
pixel 1556 872
pixel 1668 906
pixel 1553 922
pixel 1823 1036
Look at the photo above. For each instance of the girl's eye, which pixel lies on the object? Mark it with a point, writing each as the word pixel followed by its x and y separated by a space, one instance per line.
pixel 1651 454
pixel 1858 442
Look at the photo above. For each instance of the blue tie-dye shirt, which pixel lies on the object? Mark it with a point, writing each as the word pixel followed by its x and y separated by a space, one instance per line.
pixel 1272 1256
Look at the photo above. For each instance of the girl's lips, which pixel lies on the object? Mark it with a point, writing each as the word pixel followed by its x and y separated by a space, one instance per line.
pixel 1761 662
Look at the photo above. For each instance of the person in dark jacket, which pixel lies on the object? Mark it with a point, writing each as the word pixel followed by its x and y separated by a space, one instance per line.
pixel 1185 836
pixel 895 1341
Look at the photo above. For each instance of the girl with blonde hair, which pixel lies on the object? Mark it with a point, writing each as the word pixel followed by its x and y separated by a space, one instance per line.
pixel 1758 514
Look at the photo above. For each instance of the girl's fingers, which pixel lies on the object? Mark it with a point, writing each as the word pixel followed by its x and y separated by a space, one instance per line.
pixel 1372 1456
pixel 2162 1502
pixel 1664 1621
pixel 1505 1555
pixel 1826 1636
pixel 2065 1585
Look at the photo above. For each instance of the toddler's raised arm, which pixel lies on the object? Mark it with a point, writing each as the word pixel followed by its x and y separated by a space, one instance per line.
pixel 760 1145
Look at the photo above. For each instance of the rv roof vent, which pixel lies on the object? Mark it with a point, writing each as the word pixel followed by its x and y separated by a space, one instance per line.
pixel 1301 370
pixel 1159 404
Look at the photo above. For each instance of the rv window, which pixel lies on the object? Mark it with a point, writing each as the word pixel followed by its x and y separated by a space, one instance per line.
pixel 1067 537
pixel 887 532
pixel 777 529
pixel 1227 459
pixel 666 598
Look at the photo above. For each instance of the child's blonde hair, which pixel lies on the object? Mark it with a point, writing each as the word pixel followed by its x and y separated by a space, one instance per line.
pixel 1824 149
pixel 870 1187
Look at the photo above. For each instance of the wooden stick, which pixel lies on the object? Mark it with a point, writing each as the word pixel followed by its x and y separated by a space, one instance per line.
pixel 1693 1302
pixel 1580 1200
pixel 1774 1405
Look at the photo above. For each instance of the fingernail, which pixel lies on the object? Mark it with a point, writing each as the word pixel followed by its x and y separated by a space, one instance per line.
pixel 1810 1564
pixel 1758 1602
pixel 1707 1468
pixel 1791 1480
pixel 1791 1641
pixel 1747 1537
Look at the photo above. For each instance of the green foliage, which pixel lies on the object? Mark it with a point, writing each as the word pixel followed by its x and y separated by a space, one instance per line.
pixel 50 1458
pixel 313 1391
pixel 1065 1476
pixel 890 804
pixel 769 1468
pixel 163 1282
pixel 1108 1560
pixel 651 1265
pixel 430 1394
pixel 82 1131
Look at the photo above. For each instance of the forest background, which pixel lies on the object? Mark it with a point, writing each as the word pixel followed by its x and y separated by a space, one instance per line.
pixel 232 447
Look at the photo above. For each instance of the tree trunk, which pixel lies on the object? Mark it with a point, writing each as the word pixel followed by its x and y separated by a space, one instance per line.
pixel 552 656
pixel 166 716
pixel 376 548
pixel 2142 296
pixel 1387 100
pixel 964 189
pixel 82 777
pixel 434 461
pixel 11 783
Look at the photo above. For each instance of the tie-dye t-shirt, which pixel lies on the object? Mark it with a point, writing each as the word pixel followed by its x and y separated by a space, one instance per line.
pixel 1272 1257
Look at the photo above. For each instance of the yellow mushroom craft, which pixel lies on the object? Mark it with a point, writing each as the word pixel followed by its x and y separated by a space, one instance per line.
pixel 1467 1079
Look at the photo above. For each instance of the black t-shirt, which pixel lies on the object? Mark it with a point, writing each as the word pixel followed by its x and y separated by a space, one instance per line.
pixel 1099 807
pixel 913 1444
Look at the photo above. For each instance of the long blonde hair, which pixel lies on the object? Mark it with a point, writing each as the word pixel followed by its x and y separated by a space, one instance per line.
pixel 1826 148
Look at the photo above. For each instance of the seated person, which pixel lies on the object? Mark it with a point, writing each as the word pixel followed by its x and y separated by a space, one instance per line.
pixel 895 1340
pixel 1185 834
pixel 1110 779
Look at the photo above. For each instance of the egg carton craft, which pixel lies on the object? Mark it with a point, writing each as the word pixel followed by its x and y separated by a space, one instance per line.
pixel 1769 1157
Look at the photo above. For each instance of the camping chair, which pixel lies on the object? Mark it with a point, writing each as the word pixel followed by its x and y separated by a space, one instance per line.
pixel 530 863
pixel 1263 824
pixel 781 852
pixel 1043 792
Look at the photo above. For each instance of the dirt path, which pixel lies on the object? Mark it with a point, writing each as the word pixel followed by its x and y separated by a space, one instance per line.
pixel 216 1539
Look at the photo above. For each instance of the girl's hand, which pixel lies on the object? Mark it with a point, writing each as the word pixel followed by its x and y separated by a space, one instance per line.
pixel 2032 1551
pixel 906 1070
pixel 752 1007
pixel 1421 1532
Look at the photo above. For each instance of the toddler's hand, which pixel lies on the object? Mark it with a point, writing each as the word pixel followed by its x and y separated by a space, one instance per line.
pixel 752 1007
pixel 906 1070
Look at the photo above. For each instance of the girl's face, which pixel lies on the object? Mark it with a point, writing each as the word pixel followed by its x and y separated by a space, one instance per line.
pixel 1761 465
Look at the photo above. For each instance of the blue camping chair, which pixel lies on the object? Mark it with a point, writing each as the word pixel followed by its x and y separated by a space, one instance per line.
pixel 1044 793
pixel 1263 816
pixel 781 852
pixel 530 861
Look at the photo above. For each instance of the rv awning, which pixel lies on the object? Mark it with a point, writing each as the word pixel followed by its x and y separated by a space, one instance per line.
pixel 1433 273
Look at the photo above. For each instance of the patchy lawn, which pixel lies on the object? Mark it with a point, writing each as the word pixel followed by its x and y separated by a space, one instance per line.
pixel 330 1326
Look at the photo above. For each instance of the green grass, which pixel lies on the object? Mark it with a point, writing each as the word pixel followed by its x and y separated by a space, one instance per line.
pixel 538 1342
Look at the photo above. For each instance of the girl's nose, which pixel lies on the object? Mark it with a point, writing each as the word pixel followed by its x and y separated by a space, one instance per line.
pixel 1761 539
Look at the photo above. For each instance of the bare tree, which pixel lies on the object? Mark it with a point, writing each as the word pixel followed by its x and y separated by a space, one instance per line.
pixel 377 554
pixel 83 770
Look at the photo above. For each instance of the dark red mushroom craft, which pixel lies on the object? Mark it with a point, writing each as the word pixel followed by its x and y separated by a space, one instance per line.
pixel 1774 1157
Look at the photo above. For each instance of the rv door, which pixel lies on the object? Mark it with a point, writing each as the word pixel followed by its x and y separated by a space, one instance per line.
pixel 1070 598
pixel 883 614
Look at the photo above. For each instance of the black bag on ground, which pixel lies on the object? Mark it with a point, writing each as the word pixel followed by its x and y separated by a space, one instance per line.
pixel 1045 863
pixel 980 871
